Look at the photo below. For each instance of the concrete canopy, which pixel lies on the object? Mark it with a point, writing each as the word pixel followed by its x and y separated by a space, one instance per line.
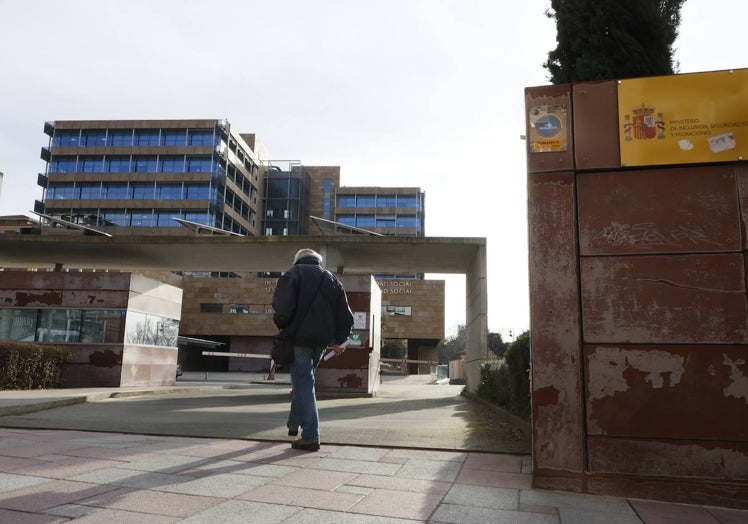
pixel 342 254
pixel 350 254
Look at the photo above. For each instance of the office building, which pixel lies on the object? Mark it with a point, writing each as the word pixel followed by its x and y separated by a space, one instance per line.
pixel 186 177
pixel 139 176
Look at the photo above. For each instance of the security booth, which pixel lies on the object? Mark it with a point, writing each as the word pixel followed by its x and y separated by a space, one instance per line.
pixel 121 328
pixel 355 372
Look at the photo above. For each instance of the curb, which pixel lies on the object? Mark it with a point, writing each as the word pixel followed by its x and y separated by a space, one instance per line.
pixel 31 407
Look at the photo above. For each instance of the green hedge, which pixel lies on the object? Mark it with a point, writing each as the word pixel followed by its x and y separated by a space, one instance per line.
pixel 31 366
pixel 506 382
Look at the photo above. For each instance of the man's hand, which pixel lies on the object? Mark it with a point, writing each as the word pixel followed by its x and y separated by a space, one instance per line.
pixel 338 350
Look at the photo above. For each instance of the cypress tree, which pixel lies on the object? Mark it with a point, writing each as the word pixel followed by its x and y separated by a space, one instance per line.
pixel 606 39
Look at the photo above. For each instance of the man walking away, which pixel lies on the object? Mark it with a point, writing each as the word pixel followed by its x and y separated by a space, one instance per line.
pixel 309 287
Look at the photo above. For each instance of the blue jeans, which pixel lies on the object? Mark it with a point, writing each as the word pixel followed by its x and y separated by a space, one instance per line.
pixel 304 412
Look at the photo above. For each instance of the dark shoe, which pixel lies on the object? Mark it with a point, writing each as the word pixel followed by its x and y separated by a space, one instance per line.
pixel 292 432
pixel 306 445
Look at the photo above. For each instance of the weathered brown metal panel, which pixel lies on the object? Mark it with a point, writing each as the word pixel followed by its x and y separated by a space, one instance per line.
pixel 544 96
pixel 596 143
pixel 31 280
pixel 90 298
pixel 659 211
pixel 30 297
pixel 675 299
pixel 725 494
pixel 558 436
pixel 741 173
pixel 679 392
pixel 659 458
pixel 99 280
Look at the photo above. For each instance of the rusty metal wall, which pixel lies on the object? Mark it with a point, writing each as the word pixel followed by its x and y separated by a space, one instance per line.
pixel 639 316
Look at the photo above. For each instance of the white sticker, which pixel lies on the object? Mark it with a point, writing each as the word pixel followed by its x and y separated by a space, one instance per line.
pixel 722 143
pixel 685 144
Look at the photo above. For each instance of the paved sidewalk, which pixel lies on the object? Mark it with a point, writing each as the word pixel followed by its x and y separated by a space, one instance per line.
pixel 69 475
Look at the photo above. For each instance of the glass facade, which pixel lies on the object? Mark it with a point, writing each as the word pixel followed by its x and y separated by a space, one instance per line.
pixel 390 213
pixel 286 202
pixel 87 326
pixel 82 326
pixel 161 184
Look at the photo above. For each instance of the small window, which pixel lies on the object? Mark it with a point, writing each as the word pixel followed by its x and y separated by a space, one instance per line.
pixel 211 308
pixel 397 311
pixel 239 309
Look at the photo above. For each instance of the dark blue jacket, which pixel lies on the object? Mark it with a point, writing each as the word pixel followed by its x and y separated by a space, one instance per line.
pixel 328 320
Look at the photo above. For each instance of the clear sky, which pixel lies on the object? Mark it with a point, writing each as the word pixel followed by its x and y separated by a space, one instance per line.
pixel 425 93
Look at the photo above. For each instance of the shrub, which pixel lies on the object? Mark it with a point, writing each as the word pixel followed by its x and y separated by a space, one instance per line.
pixel 506 382
pixel 31 366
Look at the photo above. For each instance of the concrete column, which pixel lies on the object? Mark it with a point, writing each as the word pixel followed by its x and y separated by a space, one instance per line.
pixel 476 319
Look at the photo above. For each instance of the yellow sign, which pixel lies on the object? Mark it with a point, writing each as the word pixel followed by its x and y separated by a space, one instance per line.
pixel 684 119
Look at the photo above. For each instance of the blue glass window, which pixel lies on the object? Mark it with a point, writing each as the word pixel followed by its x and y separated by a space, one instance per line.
pixel 198 164
pixel 117 164
pixel 120 138
pixel 63 164
pixel 200 137
pixel 115 191
pixel 407 201
pixel 172 164
pixel 409 221
pixel 90 191
pixel 385 221
pixel 142 191
pixel 174 137
pixel 346 200
pixel 141 219
pixel 60 191
pixel 166 218
pixel 197 191
pixel 169 192
pixel 66 139
pixel 147 137
pixel 365 201
pixel 91 164
pixel 115 218
pixel 365 221
pixel 348 220
pixel 386 201
pixel 199 217
pixel 326 202
pixel 145 164
pixel 93 138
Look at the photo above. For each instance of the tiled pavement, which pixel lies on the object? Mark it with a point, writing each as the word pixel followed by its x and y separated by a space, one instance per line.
pixel 50 475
